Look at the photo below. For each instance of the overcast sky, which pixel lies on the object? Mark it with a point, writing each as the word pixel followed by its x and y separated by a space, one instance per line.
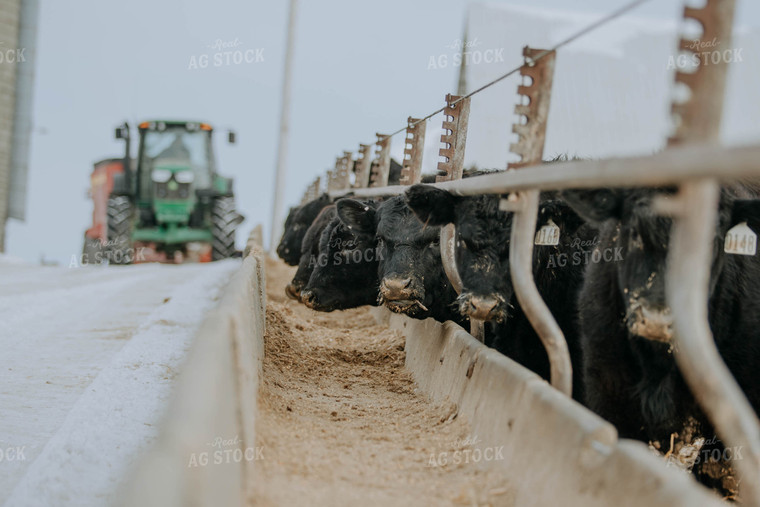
pixel 360 67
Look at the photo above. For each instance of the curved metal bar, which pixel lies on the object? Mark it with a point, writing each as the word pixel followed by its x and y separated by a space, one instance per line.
pixel 521 266
pixel 687 281
pixel 448 256
pixel 448 259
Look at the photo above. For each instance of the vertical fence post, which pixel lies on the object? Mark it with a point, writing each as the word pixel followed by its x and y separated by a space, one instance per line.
pixel 455 122
pixel 363 166
pixel 414 143
pixel 312 191
pixel 348 163
pixel 342 168
pixel 381 166
pixel 454 142
pixel 697 120
pixel 330 176
pixel 530 147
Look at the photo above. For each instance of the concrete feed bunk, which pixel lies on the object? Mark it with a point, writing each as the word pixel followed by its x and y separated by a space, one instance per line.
pixel 361 407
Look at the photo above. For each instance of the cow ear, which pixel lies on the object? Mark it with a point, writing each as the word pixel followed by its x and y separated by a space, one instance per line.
pixel 595 206
pixel 746 210
pixel 561 214
pixel 358 216
pixel 432 206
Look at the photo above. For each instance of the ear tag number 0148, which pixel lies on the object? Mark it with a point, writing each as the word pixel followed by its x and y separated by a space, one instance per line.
pixel 547 235
pixel 740 240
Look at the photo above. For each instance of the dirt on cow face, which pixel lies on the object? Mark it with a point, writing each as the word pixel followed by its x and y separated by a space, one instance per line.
pixel 341 421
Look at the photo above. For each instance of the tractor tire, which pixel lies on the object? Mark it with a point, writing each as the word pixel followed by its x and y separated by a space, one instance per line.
pixel 92 251
pixel 119 246
pixel 224 221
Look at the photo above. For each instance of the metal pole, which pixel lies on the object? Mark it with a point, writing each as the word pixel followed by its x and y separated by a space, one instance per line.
pixel 455 140
pixel 282 148
pixel 451 169
pixel 686 286
pixel 697 121
pixel 448 259
pixel 363 166
pixel 380 170
pixel 670 167
pixel 530 147
pixel 521 268
pixel 414 144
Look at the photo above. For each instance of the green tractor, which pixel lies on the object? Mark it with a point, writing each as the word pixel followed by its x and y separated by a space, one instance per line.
pixel 170 204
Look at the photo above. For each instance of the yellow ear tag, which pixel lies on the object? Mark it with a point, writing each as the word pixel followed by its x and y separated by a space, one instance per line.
pixel 740 240
pixel 548 234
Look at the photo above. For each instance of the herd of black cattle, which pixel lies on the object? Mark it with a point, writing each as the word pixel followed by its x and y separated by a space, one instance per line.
pixel 603 282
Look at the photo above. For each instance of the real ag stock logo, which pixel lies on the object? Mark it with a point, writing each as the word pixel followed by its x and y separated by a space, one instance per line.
pixel 8 454
pixel 11 55
pixel 225 451
pixel 348 252
pixel 705 53
pixel 466 451
pixel 465 53
pixel 226 53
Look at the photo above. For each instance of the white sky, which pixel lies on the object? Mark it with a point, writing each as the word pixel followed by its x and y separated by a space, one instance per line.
pixel 360 67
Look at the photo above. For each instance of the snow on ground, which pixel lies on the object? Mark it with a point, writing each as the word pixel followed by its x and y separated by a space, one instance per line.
pixel 88 360
pixel 9 259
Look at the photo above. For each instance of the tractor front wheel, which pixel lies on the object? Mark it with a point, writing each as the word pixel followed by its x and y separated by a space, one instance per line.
pixel 118 247
pixel 224 221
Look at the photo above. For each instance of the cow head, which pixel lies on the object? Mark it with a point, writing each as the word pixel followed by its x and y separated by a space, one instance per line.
pixel 309 252
pixel 298 222
pixel 345 273
pixel 482 240
pixel 410 272
pixel 627 221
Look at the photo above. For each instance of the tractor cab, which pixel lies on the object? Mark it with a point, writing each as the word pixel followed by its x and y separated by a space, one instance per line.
pixel 173 158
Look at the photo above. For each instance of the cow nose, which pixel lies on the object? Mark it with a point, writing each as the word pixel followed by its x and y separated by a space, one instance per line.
pixel 653 324
pixel 308 298
pixel 395 288
pixel 292 292
pixel 482 307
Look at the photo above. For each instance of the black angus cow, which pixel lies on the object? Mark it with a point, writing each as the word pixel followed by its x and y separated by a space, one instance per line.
pixel 411 276
pixel 301 217
pixel 482 257
pixel 298 222
pixel 630 374
pixel 345 272
pixel 309 251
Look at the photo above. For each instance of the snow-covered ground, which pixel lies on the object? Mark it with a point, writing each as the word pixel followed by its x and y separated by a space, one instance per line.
pixel 88 359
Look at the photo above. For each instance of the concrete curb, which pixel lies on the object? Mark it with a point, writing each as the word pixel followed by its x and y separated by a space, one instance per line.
pixel 215 398
pixel 556 452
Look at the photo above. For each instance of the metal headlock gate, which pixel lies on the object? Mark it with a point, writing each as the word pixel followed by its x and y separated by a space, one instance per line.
pixel 693 161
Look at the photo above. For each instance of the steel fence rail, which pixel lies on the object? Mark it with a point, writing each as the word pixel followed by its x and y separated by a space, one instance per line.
pixel 670 167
